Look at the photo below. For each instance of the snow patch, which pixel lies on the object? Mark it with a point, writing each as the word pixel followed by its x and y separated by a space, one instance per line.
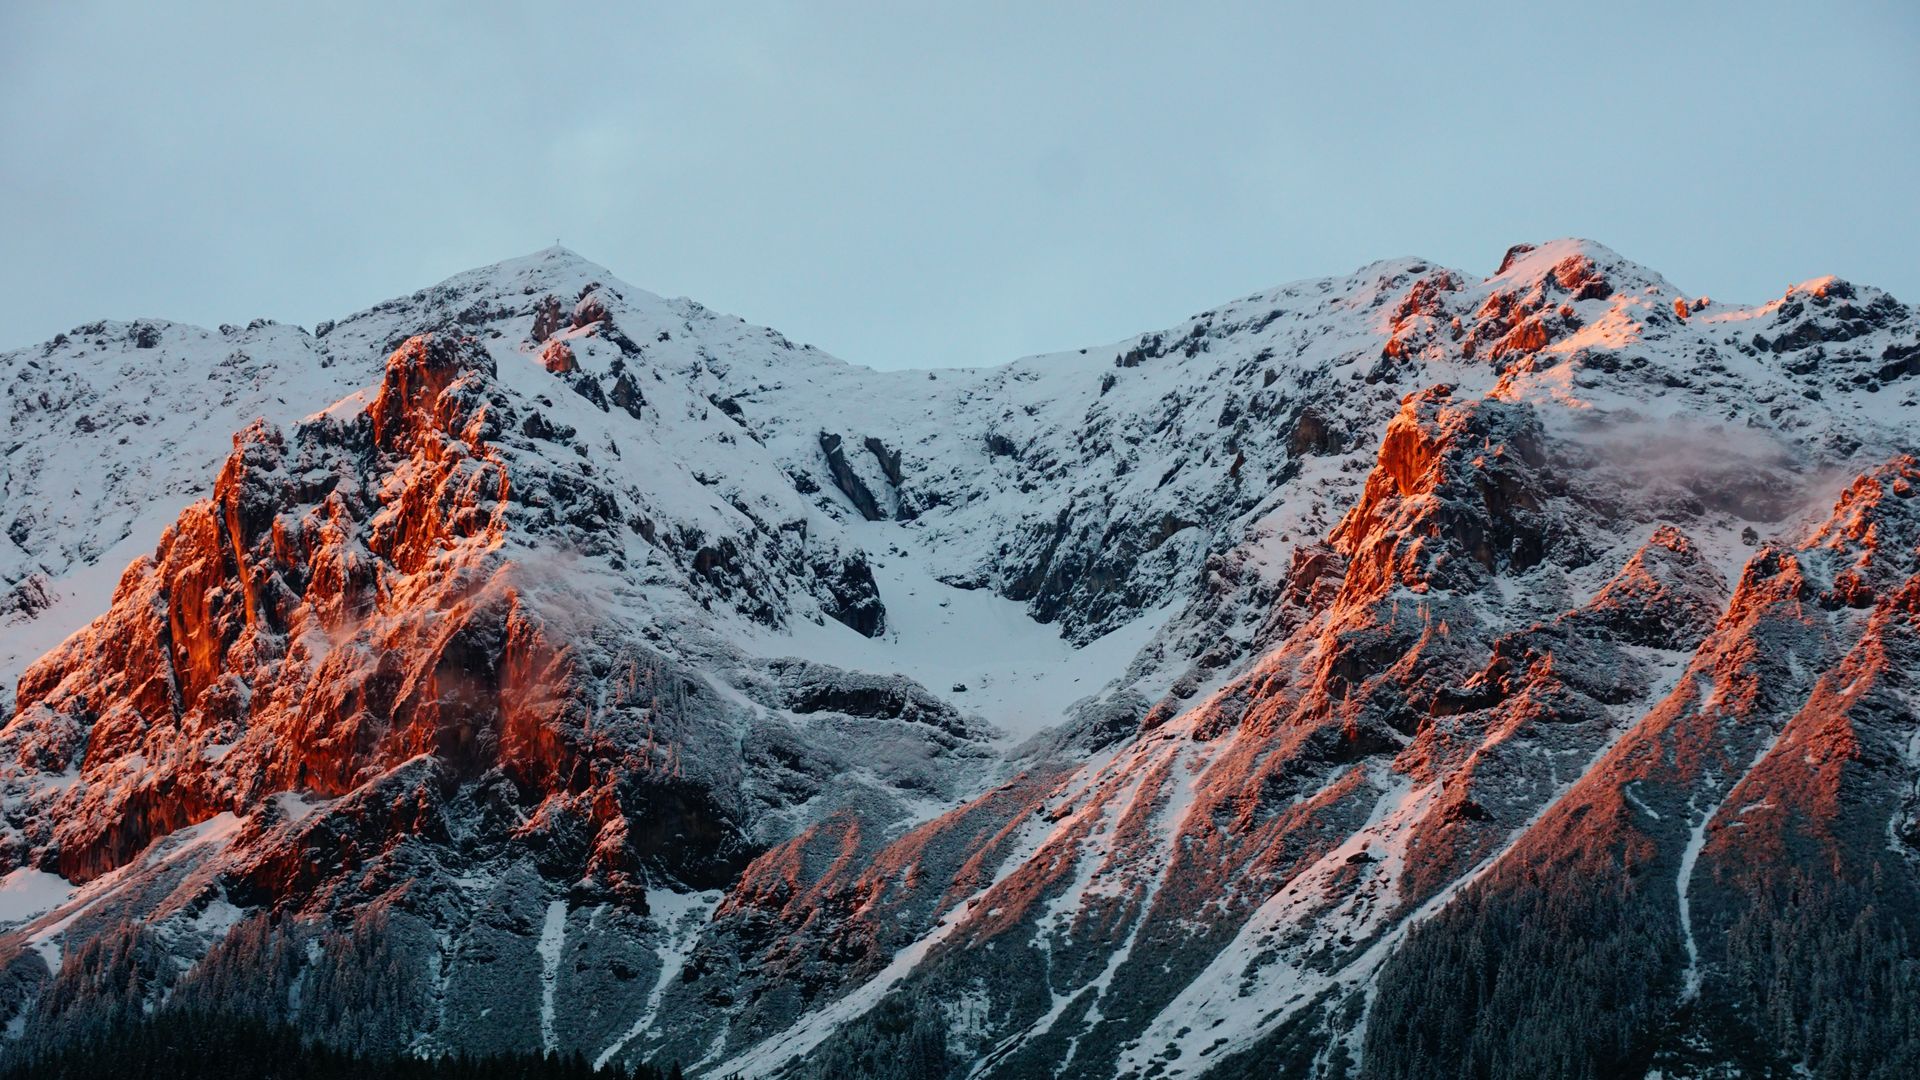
pixel 553 934
pixel 25 894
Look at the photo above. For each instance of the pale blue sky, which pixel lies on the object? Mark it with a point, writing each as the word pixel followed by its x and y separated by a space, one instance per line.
pixel 964 186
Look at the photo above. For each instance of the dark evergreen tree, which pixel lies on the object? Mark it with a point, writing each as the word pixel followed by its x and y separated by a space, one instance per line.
pixel 181 1044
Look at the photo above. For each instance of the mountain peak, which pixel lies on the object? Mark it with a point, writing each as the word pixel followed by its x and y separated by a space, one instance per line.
pixel 554 269
pixel 1527 264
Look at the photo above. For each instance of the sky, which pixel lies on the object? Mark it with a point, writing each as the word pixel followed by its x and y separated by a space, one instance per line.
pixel 934 184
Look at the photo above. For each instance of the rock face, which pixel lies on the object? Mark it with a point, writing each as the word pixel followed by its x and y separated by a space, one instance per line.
pixel 1395 674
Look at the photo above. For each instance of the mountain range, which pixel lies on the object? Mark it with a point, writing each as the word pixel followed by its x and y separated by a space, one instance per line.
pixel 1405 673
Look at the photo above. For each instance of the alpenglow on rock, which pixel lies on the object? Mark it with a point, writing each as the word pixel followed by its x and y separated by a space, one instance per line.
pixel 1397 674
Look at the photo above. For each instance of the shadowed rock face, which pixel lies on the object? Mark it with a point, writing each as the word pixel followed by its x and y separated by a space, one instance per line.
pixel 1510 677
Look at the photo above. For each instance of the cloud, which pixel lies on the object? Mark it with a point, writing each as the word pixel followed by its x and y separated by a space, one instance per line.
pixel 1747 472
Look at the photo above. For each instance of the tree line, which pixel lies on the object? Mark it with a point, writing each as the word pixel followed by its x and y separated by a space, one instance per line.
pixel 192 1045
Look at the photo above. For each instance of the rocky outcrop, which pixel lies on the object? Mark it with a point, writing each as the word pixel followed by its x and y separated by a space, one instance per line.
pixel 848 481
pixel 301 632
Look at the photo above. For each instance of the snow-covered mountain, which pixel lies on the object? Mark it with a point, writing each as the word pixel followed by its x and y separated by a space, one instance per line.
pixel 1403 673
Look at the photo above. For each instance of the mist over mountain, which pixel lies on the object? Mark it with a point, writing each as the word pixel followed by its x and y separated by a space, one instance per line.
pixel 1400 673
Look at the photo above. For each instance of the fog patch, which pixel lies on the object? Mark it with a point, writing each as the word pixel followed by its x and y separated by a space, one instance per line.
pixel 1685 467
